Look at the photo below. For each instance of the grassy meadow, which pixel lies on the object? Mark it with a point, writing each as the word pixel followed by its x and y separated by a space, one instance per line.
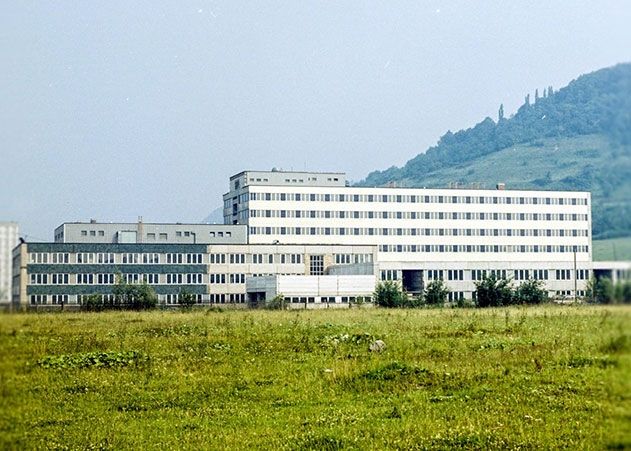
pixel 513 378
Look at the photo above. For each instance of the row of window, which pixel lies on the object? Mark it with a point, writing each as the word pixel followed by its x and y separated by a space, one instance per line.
pixel 110 279
pixel 59 299
pixel 175 258
pixel 427 199
pixel 223 278
pixel 400 231
pixel 326 299
pixel 347 259
pixel 480 274
pixel 478 216
pixel 111 258
pixel 482 248
pixel 152 236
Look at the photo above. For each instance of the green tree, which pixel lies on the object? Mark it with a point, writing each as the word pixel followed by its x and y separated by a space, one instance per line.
pixel 626 292
pixel 436 293
pixel 389 293
pixel 493 292
pixel 601 291
pixel 133 296
pixel 500 113
pixel 531 292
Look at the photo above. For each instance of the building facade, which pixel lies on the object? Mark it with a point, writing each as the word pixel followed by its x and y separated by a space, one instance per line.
pixel 458 235
pixel 8 240
pixel 287 229
pixel 56 274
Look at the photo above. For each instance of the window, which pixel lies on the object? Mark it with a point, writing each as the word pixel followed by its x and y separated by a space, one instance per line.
pixel 174 258
pixel 316 265
pixel 194 279
pixel 58 279
pixel 105 258
pixel 59 257
pixel 194 258
pixel 216 278
pixel 151 258
pixel 217 259
pixel 85 257
pixel 85 278
pixel 105 279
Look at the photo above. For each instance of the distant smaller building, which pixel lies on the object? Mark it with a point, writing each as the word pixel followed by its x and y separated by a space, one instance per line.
pixel 8 240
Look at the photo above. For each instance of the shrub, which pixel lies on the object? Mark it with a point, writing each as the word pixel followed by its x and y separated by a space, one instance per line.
pixel 134 296
pixel 601 291
pixel 276 303
pixel 93 303
pixel 493 292
pixel 186 299
pixel 531 292
pixel 436 293
pixel 125 297
pixel 390 294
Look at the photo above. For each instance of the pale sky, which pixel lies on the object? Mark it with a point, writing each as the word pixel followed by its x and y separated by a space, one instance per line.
pixel 115 109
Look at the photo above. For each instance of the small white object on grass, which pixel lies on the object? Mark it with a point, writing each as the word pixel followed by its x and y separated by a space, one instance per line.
pixel 377 346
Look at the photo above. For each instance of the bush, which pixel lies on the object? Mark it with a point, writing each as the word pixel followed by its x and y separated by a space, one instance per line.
pixel 436 293
pixel 601 291
pixel 186 299
pixel 390 294
pixel 531 292
pixel 276 303
pixel 626 292
pixel 493 292
pixel 125 297
pixel 93 303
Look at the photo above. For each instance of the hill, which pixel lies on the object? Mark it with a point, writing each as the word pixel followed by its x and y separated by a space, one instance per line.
pixel 617 249
pixel 578 138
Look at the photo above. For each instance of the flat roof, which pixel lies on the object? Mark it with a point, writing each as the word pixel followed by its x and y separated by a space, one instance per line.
pixel 282 171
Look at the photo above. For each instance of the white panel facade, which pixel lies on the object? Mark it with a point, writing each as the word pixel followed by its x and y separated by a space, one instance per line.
pixel 518 232
pixel 8 240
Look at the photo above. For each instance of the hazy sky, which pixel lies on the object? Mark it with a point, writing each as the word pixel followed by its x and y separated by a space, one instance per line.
pixel 114 109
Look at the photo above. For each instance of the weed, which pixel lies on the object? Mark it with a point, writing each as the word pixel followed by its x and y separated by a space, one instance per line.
pixel 92 359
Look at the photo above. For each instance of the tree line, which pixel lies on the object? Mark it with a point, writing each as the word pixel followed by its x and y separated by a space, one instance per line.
pixel 493 291
pixel 131 296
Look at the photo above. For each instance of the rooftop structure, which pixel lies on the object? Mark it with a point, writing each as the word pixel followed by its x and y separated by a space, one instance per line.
pixel 142 232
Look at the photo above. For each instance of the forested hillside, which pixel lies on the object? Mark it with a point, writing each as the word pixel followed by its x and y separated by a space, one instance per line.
pixel 577 138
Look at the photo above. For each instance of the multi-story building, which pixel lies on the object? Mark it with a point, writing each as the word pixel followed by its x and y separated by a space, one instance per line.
pixel 454 234
pixel 63 273
pixel 8 240
pixel 321 241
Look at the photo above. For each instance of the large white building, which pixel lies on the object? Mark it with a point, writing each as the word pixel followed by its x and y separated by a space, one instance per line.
pixel 421 234
pixel 8 240
pixel 320 243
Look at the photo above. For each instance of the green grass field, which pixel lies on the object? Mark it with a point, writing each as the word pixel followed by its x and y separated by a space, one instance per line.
pixel 613 249
pixel 515 378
